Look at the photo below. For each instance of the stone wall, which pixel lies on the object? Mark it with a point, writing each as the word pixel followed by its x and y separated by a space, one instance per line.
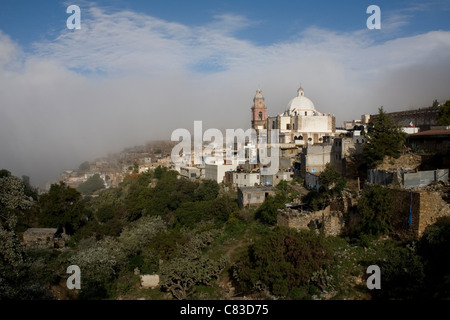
pixel 39 237
pixel 432 207
pixel 330 222
pixel 427 207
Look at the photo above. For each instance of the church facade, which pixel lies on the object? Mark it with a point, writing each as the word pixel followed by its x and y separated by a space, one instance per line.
pixel 301 124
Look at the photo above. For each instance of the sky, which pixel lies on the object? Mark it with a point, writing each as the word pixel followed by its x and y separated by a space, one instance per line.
pixel 138 70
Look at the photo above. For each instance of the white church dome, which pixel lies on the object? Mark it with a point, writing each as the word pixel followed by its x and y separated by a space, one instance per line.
pixel 300 103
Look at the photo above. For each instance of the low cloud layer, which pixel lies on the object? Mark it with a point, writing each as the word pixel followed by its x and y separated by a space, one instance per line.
pixel 126 78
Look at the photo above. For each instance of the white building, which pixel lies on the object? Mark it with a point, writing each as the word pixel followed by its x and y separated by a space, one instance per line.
pixel 246 179
pixel 301 123
pixel 217 171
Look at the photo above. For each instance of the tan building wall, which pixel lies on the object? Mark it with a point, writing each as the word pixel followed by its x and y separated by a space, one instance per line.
pixel 427 207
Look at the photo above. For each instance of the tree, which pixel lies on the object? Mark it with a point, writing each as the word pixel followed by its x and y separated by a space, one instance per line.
pixel 331 181
pixel 29 190
pixel 100 261
pixel 207 190
pixel 139 234
pixel 294 257
pixel 433 248
pixel 91 185
pixel 191 267
pixel 5 173
pixel 190 214
pixel 268 211
pixel 62 207
pixel 15 282
pixel 402 272
pixel 12 204
pixel 160 171
pixel 331 185
pixel 443 117
pixel 383 138
pixel 375 208
pixel 12 201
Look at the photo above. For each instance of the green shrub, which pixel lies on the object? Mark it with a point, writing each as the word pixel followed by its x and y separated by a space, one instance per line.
pixel 433 247
pixel 375 208
pixel 291 261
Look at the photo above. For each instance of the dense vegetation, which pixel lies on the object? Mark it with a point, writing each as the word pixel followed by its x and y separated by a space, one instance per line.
pixel 383 138
pixel 443 117
pixel 195 237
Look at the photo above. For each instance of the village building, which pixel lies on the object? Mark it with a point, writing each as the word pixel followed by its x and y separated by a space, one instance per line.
pixel 246 179
pixel 253 196
pixel 436 140
pixel 190 172
pixel 275 179
pixel 216 171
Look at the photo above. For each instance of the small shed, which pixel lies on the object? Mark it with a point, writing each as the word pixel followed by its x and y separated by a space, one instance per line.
pixel 253 196
pixel 40 237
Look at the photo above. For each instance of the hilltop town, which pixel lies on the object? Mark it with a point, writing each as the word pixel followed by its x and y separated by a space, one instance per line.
pixel 308 141
pixel 139 225
pixel 113 168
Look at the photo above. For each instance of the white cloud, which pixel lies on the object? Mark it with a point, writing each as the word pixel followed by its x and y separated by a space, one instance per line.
pixel 126 78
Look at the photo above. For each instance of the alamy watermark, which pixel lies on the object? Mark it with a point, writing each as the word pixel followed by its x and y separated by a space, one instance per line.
pixel 374 21
pixel 374 281
pixel 74 21
pixel 74 281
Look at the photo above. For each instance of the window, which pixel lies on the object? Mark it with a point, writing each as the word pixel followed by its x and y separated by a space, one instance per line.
pixel 306 113
pixel 288 126
pixel 260 115
pixel 249 196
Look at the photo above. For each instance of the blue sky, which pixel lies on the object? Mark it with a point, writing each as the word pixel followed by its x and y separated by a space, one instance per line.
pixel 28 21
pixel 137 70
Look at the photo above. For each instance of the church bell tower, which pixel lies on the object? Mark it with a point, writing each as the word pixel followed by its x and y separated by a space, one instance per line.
pixel 259 111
